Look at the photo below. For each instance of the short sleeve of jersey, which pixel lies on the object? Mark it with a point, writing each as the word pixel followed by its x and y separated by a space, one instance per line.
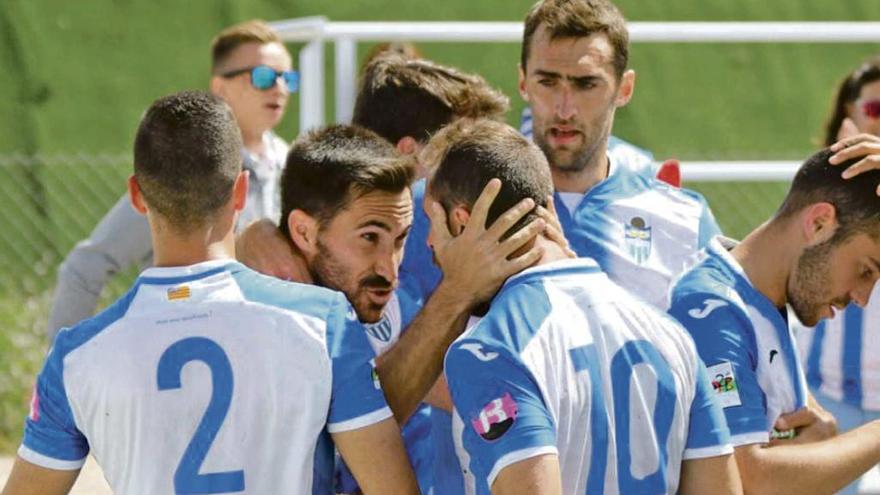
pixel 51 438
pixel 708 225
pixel 708 435
pixel 357 399
pixel 502 409
pixel 726 343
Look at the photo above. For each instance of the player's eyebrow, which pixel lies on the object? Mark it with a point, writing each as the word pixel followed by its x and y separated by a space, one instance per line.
pixel 375 223
pixel 546 73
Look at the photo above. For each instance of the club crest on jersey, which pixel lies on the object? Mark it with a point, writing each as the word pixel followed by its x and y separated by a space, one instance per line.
pixel 495 418
pixel 724 384
pixel 179 293
pixel 638 239
pixel 382 330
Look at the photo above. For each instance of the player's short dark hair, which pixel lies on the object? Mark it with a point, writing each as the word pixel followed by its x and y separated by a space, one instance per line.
pixel 855 200
pixel 329 168
pixel 187 155
pixel 253 31
pixel 578 19
pixel 471 153
pixel 401 96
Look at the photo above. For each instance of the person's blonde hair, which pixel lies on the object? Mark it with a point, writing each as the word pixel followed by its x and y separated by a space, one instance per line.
pixel 253 31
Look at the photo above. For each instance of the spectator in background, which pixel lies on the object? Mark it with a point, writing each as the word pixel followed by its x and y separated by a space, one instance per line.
pixel 842 355
pixel 251 71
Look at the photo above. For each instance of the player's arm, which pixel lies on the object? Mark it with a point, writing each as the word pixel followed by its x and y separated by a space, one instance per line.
pixel 262 247
pixel 121 239
pixel 535 475
pixel 716 475
pixel 474 264
pixel 813 468
pixel 359 448
pixel 30 479
pixel 864 146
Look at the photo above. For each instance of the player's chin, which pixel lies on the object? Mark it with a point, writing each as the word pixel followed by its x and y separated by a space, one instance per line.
pixel 369 312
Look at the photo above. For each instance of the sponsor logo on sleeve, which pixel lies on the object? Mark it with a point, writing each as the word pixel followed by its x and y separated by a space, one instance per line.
pixel 709 305
pixel 495 418
pixel 477 351
pixel 34 413
pixel 724 384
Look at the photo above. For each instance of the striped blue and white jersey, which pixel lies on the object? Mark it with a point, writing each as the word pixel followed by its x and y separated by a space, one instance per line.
pixel 566 362
pixel 417 438
pixel 745 342
pixel 643 232
pixel 842 355
pixel 209 378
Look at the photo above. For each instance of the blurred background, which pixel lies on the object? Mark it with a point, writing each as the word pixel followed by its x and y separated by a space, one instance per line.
pixel 75 77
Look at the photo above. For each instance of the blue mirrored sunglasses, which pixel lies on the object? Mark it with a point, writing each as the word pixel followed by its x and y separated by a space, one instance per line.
pixel 263 77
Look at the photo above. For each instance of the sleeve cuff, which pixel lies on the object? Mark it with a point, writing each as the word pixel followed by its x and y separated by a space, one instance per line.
pixel 750 438
pixel 41 460
pixel 703 452
pixel 516 456
pixel 360 421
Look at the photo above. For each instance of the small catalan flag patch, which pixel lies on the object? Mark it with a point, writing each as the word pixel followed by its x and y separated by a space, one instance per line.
pixel 178 293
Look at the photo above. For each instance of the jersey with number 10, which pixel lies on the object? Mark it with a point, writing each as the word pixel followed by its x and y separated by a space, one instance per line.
pixel 207 379
pixel 568 363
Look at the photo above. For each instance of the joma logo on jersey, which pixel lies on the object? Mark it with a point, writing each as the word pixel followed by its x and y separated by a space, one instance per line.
pixel 382 330
pixel 709 305
pixel 637 236
pixel 495 418
pixel 179 293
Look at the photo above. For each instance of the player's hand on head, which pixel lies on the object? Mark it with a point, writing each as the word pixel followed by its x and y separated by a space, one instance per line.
pixel 864 146
pixel 554 230
pixel 477 262
pixel 262 247
pixel 811 424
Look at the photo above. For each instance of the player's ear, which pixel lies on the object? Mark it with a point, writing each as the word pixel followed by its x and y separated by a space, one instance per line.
pixel 522 83
pixel 303 232
pixel 135 196
pixel 626 88
pixel 240 190
pixel 218 86
pixel 818 223
pixel 407 146
pixel 458 219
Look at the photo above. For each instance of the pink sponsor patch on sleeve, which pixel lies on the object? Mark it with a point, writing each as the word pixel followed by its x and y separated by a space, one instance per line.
pixel 496 417
pixel 34 413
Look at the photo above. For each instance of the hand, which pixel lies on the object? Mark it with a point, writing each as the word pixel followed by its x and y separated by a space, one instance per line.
pixel 477 262
pixel 264 248
pixel 865 146
pixel 554 230
pixel 812 424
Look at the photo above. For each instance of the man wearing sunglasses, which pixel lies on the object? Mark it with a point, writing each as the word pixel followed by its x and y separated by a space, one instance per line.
pixel 251 71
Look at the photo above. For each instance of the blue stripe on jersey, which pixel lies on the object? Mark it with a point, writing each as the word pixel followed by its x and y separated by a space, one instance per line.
pixel 55 434
pixel 188 278
pixel 814 371
pixel 310 300
pixel 418 273
pixel 324 462
pixel 852 355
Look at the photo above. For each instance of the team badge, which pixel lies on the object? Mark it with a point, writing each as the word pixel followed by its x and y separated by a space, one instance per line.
pixel 179 293
pixel 496 418
pixel 380 331
pixel 638 239
pixel 724 384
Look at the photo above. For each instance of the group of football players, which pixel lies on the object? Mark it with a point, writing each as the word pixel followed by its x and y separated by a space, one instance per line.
pixel 444 304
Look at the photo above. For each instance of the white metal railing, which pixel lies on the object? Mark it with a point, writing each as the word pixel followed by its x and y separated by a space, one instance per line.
pixel 314 31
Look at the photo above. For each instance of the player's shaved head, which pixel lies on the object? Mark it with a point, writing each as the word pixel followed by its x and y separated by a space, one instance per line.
pixel 187 155
pixel 467 154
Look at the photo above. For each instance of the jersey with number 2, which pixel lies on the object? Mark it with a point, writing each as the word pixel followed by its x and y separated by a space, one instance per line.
pixel 207 379
pixel 568 363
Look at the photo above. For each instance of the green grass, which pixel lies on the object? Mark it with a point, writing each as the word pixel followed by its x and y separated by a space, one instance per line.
pixel 77 76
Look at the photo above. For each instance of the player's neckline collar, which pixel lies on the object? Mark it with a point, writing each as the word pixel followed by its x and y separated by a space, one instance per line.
pixel 158 274
pixel 556 268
